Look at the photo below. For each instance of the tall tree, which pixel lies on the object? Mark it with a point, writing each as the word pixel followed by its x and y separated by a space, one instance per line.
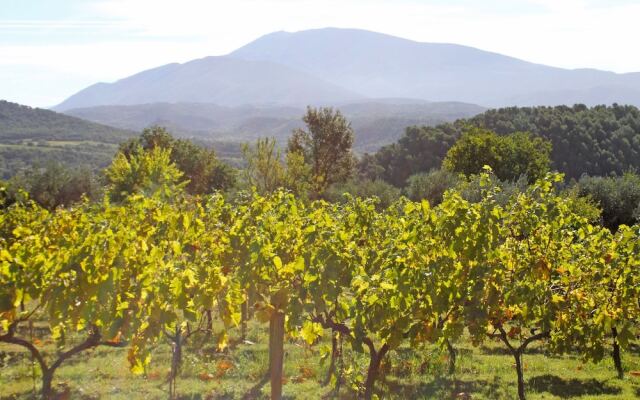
pixel 326 147
pixel 267 170
pixel 264 168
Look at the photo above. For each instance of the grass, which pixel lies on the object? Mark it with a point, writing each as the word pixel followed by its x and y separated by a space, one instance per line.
pixel 486 372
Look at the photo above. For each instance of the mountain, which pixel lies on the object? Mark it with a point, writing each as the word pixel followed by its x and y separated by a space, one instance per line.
pixel 224 81
pixel 378 65
pixel 33 136
pixel 375 123
pixel 334 66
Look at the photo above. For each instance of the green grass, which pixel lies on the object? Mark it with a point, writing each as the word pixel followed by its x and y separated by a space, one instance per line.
pixel 409 373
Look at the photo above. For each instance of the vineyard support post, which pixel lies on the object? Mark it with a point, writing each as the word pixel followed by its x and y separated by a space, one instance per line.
pixel 276 353
pixel 243 319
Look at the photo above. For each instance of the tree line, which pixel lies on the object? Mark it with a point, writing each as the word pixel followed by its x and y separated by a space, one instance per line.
pixel 318 162
pixel 597 141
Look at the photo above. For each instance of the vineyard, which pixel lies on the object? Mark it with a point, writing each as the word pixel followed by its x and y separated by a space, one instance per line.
pixel 527 276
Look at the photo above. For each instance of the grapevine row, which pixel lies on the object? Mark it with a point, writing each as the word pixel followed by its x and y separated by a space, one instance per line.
pixel 131 273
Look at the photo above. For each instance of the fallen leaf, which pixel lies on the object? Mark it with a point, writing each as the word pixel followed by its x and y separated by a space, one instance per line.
pixel 222 367
pixel 205 376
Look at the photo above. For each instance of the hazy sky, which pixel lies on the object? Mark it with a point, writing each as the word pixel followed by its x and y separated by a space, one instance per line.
pixel 51 49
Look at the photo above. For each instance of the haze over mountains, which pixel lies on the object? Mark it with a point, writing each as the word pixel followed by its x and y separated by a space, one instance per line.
pixel 377 65
pixel 333 66
pixel 375 123
pixel 225 81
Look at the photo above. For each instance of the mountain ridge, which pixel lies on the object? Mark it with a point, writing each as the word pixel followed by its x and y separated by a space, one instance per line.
pixel 219 80
pixel 333 66
pixel 372 63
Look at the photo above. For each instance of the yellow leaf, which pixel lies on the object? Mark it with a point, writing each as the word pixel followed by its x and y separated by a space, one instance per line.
pixel 311 331
pixel 387 286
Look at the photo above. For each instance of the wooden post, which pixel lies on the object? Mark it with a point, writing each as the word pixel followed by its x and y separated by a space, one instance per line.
pixel 276 353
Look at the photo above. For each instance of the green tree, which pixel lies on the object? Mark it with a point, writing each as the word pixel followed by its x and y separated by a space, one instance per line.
pixel 431 186
pixel 618 197
pixel 149 173
pixel 267 171
pixel 326 147
pixel 264 168
pixel 510 157
pixel 55 185
pixel 203 170
pixel 298 174
pixel 365 188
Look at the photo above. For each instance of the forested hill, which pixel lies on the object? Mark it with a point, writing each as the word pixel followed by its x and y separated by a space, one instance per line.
pixel 601 140
pixel 33 136
pixel 18 122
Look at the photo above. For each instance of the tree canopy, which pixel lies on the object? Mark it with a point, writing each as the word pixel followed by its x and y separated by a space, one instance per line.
pixel 326 147
pixel 597 141
pixel 203 170
pixel 510 157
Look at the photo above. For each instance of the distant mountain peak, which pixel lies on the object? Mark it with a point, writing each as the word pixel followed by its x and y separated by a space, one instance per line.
pixel 335 65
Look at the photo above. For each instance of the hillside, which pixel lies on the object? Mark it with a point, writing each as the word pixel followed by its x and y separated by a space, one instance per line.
pixel 33 136
pixel 376 123
pixel 19 122
pixel 220 80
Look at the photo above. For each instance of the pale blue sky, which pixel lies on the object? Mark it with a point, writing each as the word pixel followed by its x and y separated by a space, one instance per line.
pixel 51 49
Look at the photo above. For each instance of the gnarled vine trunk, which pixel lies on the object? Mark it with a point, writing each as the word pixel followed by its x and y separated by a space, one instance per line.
pixel 48 372
pixel 452 357
pixel 517 353
pixel 375 359
pixel 617 359
pixel 518 357
pixel 334 355
pixel 176 360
